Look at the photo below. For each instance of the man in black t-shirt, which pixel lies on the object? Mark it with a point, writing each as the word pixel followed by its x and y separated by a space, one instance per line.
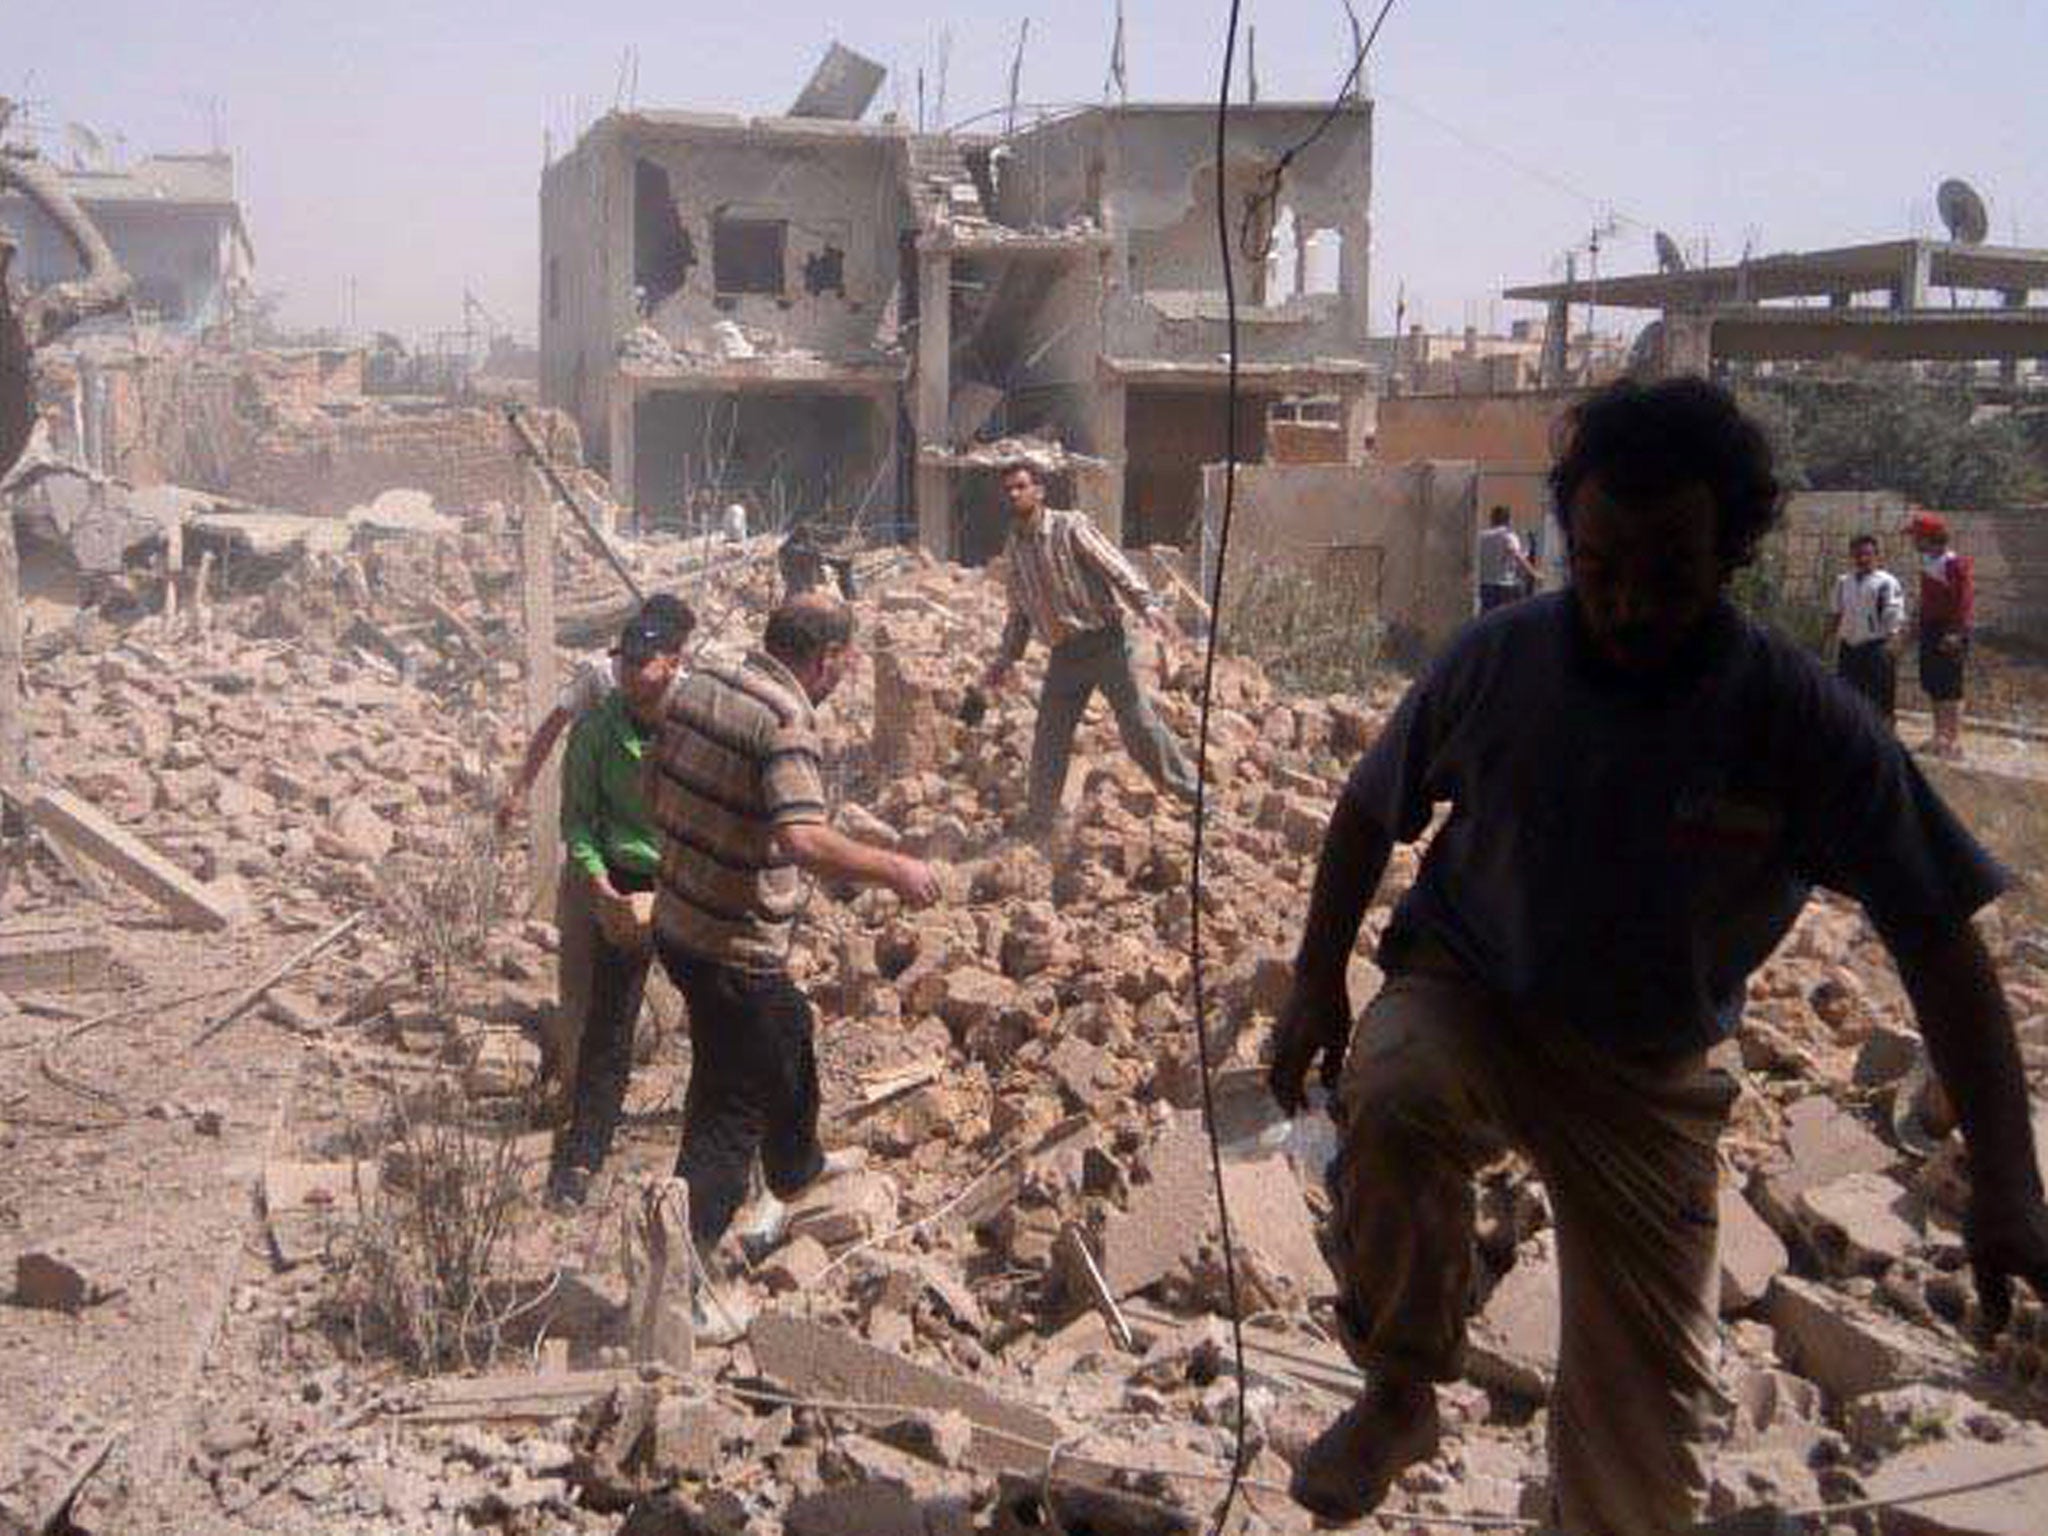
pixel 1644 786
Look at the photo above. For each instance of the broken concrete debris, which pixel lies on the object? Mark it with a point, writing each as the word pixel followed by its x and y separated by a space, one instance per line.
pixel 50 1282
pixel 1017 1063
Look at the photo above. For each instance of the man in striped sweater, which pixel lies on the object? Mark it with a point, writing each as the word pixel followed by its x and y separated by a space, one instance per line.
pixel 737 790
pixel 1071 588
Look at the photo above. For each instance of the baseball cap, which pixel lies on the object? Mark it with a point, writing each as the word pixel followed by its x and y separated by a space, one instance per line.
pixel 654 631
pixel 1927 525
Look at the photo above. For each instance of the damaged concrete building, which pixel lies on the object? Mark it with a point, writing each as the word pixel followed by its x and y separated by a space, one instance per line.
pixel 720 308
pixel 839 320
pixel 173 223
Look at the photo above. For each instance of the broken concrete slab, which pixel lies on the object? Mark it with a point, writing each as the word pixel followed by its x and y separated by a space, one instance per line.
pixel 1823 1142
pixel 1886 1055
pixel 1847 1347
pixel 1752 1255
pixel 2010 1509
pixel 1171 1216
pixel 43 958
pixel 46 1281
pixel 191 901
pixel 1269 1216
pixel 1512 1344
pixel 1856 1224
pixel 794 1266
pixel 815 1360
pixel 690 1435
pixel 837 1212
pixel 1144 1243
pixel 512 1396
pixel 860 1509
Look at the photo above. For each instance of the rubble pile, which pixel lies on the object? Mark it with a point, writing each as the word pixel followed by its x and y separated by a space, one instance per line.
pixel 1024 1282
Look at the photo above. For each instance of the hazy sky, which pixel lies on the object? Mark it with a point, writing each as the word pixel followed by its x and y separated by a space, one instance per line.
pixel 399 146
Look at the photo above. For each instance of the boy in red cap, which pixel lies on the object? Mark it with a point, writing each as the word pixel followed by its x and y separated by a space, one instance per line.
pixel 1947 594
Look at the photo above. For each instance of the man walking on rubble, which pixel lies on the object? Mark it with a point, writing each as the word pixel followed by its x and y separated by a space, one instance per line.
pixel 613 853
pixel 737 789
pixel 1643 786
pixel 1070 586
pixel 590 684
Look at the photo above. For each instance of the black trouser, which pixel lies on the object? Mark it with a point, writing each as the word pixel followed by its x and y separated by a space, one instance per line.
pixel 1494 595
pixel 753 1087
pixel 1872 671
pixel 617 982
pixel 1941 670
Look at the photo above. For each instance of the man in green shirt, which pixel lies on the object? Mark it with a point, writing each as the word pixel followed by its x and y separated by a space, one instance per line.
pixel 614 849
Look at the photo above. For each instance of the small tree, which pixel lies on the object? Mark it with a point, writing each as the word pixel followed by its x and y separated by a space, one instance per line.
pixel 1930 442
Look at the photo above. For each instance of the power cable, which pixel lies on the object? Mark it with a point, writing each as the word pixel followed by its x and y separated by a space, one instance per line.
pixel 1257 204
pixel 1196 967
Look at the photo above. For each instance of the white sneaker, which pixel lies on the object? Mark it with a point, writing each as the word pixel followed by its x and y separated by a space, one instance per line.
pixel 718 1314
pixel 763 1231
pixel 844 1161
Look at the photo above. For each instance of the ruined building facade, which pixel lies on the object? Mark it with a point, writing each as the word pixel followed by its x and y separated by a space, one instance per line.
pixel 854 323
pixel 173 223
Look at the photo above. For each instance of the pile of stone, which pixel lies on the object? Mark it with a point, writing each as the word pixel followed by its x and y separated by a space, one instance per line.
pixel 1028 1269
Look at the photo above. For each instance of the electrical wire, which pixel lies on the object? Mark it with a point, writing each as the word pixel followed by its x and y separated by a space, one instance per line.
pixel 1196 967
pixel 1198 971
pixel 1258 204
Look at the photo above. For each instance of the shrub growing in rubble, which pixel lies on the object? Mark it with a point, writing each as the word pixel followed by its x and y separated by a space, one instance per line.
pixel 442 907
pixel 1303 629
pixel 419 1269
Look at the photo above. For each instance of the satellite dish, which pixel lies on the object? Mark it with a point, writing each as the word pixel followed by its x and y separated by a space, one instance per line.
pixel 1962 210
pixel 1669 257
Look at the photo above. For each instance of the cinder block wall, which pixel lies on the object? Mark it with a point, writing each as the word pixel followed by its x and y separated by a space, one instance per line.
pixel 2008 546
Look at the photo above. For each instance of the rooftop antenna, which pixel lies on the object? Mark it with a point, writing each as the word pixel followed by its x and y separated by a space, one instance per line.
pixel 88 153
pixel 1962 211
pixel 1119 79
pixel 1016 78
pixel 1251 65
pixel 1669 257
pixel 1357 92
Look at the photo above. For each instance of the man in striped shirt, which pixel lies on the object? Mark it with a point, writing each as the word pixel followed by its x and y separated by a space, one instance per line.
pixel 1070 587
pixel 737 789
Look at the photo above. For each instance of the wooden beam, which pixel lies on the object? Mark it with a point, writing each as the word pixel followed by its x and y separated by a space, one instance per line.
pixel 513 1395
pixel 191 901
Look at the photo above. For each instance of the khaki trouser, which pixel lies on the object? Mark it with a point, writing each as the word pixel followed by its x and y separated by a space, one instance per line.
pixel 576 924
pixel 1099 658
pixel 1441 1079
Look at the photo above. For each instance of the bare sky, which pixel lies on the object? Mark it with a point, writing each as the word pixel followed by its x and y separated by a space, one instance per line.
pixel 397 147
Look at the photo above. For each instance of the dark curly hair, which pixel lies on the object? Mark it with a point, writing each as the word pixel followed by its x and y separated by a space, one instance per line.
pixel 1648 440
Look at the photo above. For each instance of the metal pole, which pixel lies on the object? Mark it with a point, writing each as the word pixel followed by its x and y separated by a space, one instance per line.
pixel 530 446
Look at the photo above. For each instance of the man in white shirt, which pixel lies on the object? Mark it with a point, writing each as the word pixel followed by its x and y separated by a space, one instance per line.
pixel 1870 610
pixel 1504 569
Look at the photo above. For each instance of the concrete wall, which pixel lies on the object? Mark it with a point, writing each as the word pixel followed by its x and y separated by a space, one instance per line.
pixel 1508 436
pixel 2008 546
pixel 628 237
pixel 586 298
pixel 1146 174
pixel 1398 536
pixel 181 258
